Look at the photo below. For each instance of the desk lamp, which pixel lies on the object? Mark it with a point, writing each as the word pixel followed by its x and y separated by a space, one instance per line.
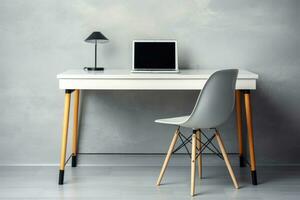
pixel 95 37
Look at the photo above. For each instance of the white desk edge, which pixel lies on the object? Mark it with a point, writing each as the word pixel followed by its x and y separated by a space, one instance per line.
pixel 122 79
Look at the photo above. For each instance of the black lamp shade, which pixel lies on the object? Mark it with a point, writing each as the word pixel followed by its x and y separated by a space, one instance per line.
pixel 96 36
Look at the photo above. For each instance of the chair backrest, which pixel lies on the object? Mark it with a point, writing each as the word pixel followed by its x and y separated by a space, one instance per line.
pixel 215 102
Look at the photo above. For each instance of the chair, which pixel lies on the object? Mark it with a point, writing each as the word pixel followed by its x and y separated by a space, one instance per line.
pixel 213 107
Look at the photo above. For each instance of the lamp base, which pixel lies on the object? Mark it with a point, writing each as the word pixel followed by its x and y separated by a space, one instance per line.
pixel 93 69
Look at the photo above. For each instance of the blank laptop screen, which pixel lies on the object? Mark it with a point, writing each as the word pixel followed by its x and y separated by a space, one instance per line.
pixel 155 55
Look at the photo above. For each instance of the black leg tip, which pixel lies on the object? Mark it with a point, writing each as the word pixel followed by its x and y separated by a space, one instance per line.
pixel 242 161
pixel 61 177
pixel 74 161
pixel 254 177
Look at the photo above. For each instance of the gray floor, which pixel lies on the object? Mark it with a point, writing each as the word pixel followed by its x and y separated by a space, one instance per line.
pixel 139 183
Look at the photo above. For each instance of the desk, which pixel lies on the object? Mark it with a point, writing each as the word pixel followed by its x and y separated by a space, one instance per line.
pixel 72 81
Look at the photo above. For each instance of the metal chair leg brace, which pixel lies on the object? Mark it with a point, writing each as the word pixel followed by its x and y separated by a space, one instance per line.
pixel 205 145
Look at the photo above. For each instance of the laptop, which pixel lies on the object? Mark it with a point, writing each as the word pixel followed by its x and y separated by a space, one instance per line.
pixel 154 56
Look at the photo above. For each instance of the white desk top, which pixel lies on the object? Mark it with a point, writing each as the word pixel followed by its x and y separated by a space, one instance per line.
pixel 122 79
pixel 127 74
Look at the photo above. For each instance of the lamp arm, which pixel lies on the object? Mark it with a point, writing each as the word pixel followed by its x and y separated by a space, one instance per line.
pixel 95 54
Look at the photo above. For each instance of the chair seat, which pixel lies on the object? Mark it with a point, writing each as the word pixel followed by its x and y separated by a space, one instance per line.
pixel 173 120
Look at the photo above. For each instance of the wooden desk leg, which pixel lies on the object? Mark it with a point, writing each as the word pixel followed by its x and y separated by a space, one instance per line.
pixel 64 137
pixel 75 129
pixel 250 136
pixel 239 126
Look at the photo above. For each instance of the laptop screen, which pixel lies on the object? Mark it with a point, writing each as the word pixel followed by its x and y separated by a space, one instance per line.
pixel 154 55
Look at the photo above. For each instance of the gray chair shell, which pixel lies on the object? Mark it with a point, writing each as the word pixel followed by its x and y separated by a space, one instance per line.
pixel 214 104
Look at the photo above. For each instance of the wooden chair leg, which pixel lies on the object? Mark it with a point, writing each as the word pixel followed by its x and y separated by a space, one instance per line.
pixel 64 137
pixel 239 126
pixel 200 155
pixel 168 156
pixel 193 164
pixel 250 136
pixel 75 129
pixel 227 162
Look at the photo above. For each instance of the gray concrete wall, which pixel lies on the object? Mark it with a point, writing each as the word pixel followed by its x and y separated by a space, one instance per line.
pixel 41 38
